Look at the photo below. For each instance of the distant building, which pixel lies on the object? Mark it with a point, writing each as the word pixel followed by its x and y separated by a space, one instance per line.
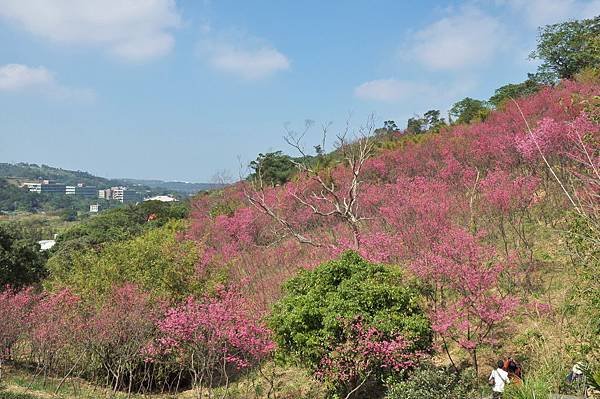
pixel 85 191
pixel 46 244
pixel 124 195
pixel 46 186
pixel 105 194
pixel 94 208
pixel 162 198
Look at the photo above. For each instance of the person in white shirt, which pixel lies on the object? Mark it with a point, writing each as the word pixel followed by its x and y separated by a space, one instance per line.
pixel 499 378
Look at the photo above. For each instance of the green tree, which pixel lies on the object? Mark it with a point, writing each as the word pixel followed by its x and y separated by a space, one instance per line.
pixel 157 261
pixel 13 198
pixel 307 321
pixel 514 90
pixel 274 168
pixel 469 110
pixel 21 262
pixel 390 126
pixel 433 122
pixel 567 48
pixel 415 125
pixel 123 223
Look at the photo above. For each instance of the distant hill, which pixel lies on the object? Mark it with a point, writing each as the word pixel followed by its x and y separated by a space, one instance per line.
pixel 32 171
pixel 29 171
pixel 176 186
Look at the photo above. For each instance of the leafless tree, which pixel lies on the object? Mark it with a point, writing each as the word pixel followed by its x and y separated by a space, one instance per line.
pixel 222 177
pixel 330 198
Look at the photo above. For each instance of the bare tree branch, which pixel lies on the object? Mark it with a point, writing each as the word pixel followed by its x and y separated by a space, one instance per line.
pixel 330 199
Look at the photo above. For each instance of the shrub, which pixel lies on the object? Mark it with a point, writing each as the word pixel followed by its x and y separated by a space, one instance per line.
pixel 365 353
pixel 21 262
pixel 157 261
pixel 310 322
pixel 14 308
pixel 534 387
pixel 117 333
pixel 209 337
pixel 434 383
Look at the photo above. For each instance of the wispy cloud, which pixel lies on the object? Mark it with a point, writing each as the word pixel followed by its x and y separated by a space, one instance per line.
pixel 20 78
pixel 391 90
pixel 133 30
pixel 466 38
pixel 543 12
pixel 417 94
pixel 243 56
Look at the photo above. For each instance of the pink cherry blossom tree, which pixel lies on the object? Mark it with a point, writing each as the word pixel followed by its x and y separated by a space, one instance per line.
pixel 365 353
pixel 210 336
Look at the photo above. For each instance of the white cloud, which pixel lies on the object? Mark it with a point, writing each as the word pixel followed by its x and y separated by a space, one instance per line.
pixel 14 77
pixel 19 78
pixel 417 94
pixel 544 12
pixel 131 29
pixel 390 90
pixel 465 39
pixel 245 57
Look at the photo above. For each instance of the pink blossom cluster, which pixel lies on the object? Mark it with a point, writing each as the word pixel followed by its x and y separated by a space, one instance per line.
pixel 218 327
pixel 366 351
pixel 14 308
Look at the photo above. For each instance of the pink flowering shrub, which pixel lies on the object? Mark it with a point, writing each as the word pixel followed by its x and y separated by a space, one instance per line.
pixel 55 326
pixel 469 305
pixel 505 207
pixel 208 337
pixel 116 334
pixel 363 356
pixel 14 308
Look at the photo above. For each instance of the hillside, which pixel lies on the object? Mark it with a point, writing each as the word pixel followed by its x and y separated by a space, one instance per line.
pixel 28 171
pixel 462 236
pixel 13 198
pixel 172 186
pixel 452 259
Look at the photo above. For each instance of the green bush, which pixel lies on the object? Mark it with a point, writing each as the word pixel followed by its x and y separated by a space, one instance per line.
pixel 434 383
pixel 533 387
pixel 307 321
pixel 21 262
pixel 157 261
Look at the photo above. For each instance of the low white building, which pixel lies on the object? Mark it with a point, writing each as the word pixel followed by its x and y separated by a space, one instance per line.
pixel 162 198
pixel 46 244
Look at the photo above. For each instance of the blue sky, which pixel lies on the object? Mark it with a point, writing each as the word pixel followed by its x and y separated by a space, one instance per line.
pixel 184 89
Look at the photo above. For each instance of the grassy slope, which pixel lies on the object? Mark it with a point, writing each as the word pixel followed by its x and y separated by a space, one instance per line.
pixel 290 382
pixel 542 342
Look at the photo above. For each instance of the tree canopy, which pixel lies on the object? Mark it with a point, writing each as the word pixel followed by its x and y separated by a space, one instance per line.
pixel 309 319
pixel 273 168
pixel 567 48
pixel 514 90
pixel 21 262
pixel 469 110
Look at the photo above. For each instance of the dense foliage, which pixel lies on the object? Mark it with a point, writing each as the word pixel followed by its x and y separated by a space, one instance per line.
pixel 568 47
pixel 434 383
pixel 21 262
pixel 273 168
pixel 342 304
pixel 122 223
pixel 465 240
pixel 13 198
pixel 156 261
pixel 468 110
pixel 514 91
